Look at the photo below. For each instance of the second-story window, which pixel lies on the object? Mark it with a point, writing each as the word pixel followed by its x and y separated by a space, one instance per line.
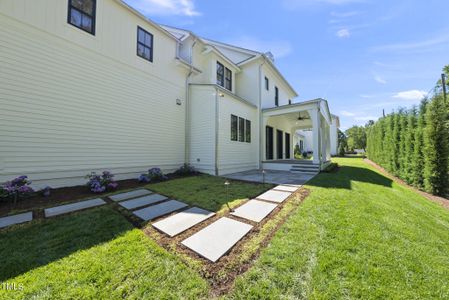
pixel 82 14
pixel 276 96
pixel 144 44
pixel 228 79
pixel 220 74
pixel 267 84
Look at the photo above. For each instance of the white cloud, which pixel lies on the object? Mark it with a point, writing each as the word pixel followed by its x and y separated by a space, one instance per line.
pixel 343 33
pixel 412 95
pixel 347 14
pixel 165 7
pixel 424 44
pixel 346 113
pixel 279 48
pixel 379 79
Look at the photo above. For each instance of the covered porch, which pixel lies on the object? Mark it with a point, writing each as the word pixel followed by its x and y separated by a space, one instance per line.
pixel 282 129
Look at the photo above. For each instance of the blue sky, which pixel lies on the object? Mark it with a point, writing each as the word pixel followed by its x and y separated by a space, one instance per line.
pixel 361 55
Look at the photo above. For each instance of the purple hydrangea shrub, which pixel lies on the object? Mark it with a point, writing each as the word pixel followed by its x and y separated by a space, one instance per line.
pixel 101 183
pixel 156 174
pixel 18 187
pixel 143 178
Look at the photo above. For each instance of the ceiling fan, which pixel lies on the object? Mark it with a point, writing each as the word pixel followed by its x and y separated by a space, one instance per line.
pixel 302 118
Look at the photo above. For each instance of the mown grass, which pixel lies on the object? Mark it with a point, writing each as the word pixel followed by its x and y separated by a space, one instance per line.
pixel 209 192
pixel 94 254
pixel 358 235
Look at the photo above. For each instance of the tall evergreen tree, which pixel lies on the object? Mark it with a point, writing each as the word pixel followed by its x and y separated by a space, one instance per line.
pixel 436 139
pixel 417 176
pixel 409 145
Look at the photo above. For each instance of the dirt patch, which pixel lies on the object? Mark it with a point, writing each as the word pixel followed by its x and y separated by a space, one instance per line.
pixel 440 200
pixel 62 196
pixel 221 275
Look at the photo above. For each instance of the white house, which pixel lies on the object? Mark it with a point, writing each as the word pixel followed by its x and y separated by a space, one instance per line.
pixel 91 85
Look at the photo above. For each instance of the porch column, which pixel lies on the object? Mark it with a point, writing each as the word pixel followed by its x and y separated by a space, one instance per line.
pixel 316 128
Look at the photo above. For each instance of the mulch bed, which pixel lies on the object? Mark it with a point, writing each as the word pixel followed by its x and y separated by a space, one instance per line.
pixel 222 274
pixel 62 196
pixel 440 200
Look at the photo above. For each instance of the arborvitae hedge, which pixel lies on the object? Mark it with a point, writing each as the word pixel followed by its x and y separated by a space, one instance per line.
pixel 414 145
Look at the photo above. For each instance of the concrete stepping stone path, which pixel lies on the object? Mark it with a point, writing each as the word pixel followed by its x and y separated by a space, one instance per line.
pixel 274 196
pixel 254 210
pixel 129 195
pixel 16 219
pixel 154 211
pixel 286 188
pixel 142 201
pixel 215 240
pixel 182 221
pixel 63 209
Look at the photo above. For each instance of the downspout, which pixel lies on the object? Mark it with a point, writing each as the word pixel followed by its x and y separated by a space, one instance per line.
pixel 187 113
pixel 261 129
pixel 217 114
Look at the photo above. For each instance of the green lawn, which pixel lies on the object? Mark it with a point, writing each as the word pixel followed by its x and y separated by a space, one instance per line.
pixel 358 235
pixel 209 192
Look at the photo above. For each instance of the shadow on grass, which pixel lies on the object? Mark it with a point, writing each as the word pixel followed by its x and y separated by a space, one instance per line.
pixel 33 245
pixel 345 175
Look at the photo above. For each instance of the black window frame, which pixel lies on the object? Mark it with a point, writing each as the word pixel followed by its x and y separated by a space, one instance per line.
pixel 145 46
pixel 248 131
pixel 220 74
pixel 241 130
pixel 228 80
pixel 92 16
pixel 234 129
pixel 267 83
pixel 276 96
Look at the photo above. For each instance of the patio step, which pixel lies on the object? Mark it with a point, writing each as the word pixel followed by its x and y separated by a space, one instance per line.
pixel 305 168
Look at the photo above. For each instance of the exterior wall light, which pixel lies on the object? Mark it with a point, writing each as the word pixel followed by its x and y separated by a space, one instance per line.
pixel 178 102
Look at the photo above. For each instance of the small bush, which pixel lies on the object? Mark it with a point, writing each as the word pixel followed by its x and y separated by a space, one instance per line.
pixel 46 191
pixel 101 183
pixel 332 167
pixel 154 174
pixel 185 170
pixel 17 188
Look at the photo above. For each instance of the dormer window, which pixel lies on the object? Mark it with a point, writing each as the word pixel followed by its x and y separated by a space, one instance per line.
pixel 82 14
pixel 267 84
pixel 144 44
pixel 224 76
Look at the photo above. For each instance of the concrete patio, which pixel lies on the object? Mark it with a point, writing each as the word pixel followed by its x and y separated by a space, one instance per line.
pixel 271 176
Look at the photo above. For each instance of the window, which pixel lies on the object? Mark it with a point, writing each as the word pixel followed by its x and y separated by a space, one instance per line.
pixel 267 84
pixel 289 101
pixel 220 74
pixel 82 14
pixel 144 44
pixel 241 130
pixel 276 96
pixel 228 79
pixel 233 128
pixel 248 131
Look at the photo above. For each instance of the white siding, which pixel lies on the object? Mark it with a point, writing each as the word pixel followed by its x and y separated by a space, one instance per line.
pixel 202 128
pixel 235 156
pixel 247 83
pixel 268 97
pixel 73 103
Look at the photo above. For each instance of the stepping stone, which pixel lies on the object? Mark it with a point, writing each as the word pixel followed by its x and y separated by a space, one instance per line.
pixel 254 210
pixel 16 219
pixel 152 212
pixel 215 240
pixel 129 195
pixel 286 188
pixel 182 221
pixel 63 209
pixel 274 196
pixel 142 201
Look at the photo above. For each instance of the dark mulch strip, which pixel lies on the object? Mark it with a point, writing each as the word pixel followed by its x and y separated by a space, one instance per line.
pixel 222 274
pixel 440 200
pixel 62 196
